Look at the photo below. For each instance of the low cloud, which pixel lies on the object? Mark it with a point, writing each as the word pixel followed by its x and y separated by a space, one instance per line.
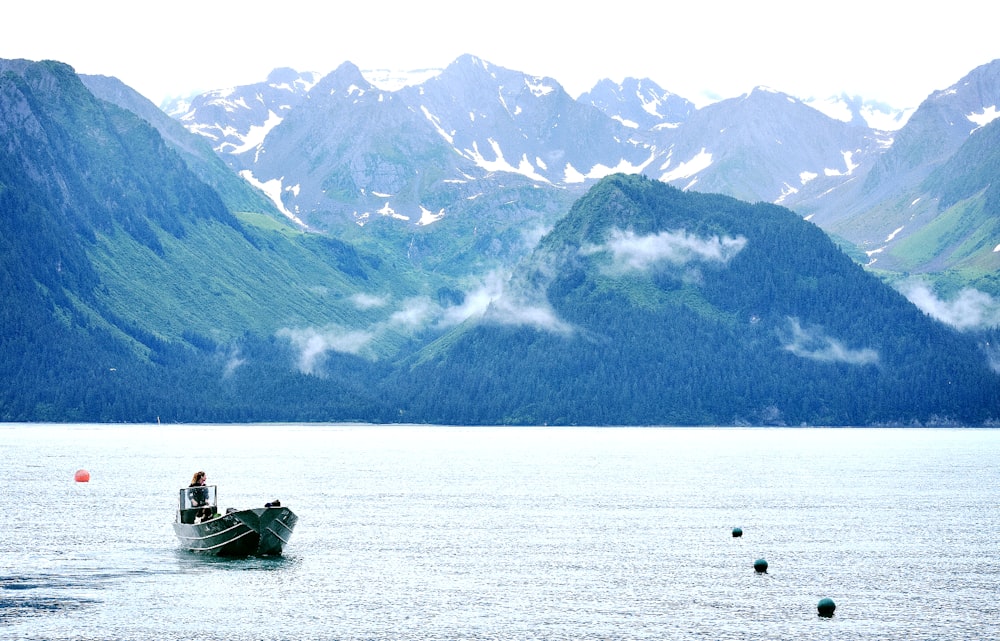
pixel 814 344
pixel 493 300
pixel 533 235
pixel 509 310
pixel 971 309
pixel 496 301
pixel 368 301
pixel 313 344
pixel 234 360
pixel 631 252
pixel 416 313
pixel 992 352
pixel 477 300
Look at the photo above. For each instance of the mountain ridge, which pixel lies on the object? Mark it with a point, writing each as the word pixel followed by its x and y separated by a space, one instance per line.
pixel 142 292
pixel 829 162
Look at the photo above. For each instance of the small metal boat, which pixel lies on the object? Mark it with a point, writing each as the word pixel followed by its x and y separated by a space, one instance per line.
pixel 201 528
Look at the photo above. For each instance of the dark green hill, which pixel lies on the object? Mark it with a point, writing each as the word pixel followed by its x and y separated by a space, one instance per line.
pixel 648 305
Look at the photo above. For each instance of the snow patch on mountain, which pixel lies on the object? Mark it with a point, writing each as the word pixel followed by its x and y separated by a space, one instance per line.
pixel 786 191
pixel 599 171
pixel 272 189
pixel 427 216
pixel 849 166
pixel 538 86
pixel 699 162
pixel 873 253
pixel 573 176
pixel 254 137
pixel 301 84
pixel 394 80
pixel 499 163
pixel 988 115
pixel 652 107
pixel 805 177
pixel 389 212
pixel 886 120
pixel 436 123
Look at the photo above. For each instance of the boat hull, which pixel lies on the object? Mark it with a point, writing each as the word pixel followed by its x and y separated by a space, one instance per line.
pixel 253 532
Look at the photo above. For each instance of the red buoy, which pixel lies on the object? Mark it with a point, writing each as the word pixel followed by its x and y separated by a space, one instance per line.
pixel 82 476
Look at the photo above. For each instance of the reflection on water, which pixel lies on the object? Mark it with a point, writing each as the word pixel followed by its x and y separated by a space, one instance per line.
pixel 458 533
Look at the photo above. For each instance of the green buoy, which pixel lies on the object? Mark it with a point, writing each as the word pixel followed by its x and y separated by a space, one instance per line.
pixel 760 565
pixel 826 607
pixel 737 531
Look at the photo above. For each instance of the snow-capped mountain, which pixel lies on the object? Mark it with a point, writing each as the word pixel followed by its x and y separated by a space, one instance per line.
pixel 504 120
pixel 353 151
pixel 639 104
pixel 350 149
pixel 239 118
pixel 419 147
pixel 764 145
pixel 349 152
pixel 897 198
pixel 942 123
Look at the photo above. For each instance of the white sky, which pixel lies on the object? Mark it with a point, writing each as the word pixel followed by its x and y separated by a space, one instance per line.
pixel 893 52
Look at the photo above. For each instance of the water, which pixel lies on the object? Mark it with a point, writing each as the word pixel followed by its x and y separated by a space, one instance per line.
pixel 416 532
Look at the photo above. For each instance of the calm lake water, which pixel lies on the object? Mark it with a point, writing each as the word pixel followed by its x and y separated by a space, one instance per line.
pixel 416 532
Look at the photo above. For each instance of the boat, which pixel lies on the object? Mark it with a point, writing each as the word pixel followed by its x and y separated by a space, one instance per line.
pixel 201 528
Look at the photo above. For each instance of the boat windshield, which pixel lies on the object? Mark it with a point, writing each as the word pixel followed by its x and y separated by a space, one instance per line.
pixel 198 497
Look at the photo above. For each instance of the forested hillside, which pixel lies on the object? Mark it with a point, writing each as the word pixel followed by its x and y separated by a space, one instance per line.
pixel 682 308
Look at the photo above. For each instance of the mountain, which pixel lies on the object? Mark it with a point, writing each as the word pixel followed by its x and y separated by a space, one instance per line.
pixel 131 290
pixel 451 186
pixel 485 152
pixel 852 167
pixel 639 104
pixel 237 119
pixel 351 151
pixel 960 245
pixel 765 146
pixel 346 152
pixel 902 211
pixel 648 305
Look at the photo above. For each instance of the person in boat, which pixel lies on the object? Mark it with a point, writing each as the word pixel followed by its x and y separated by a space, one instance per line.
pixel 199 498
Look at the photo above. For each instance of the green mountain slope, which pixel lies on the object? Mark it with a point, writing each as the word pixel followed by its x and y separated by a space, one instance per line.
pixel 958 247
pixel 647 305
pixel 196 152
pixel 131 291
